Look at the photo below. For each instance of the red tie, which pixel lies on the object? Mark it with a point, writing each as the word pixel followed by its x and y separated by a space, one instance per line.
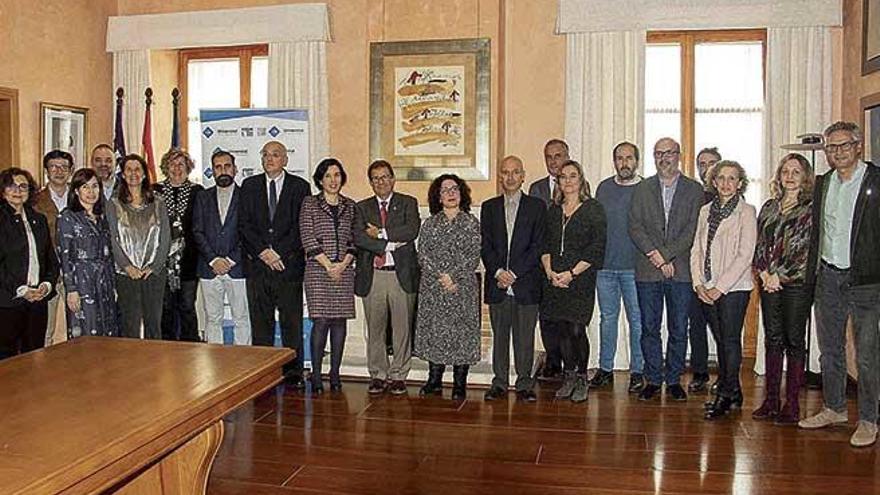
pixel 379 260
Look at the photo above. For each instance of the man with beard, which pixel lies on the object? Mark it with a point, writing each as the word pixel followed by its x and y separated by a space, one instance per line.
pixel 104 164
pixel 662 224
pixel 617 278
pixel 220 268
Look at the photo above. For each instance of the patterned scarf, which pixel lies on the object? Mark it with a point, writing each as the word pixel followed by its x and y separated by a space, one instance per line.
pixel 717 213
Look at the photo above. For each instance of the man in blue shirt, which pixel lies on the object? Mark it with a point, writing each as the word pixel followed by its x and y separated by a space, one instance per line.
pixel 617 278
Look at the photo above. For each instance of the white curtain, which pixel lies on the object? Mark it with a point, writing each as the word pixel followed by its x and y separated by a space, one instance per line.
pixel 798 100
pixel 131 72
pixel 298 79
pixel 604 105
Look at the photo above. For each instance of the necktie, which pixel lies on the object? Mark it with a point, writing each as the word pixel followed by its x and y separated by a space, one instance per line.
pixel 379 260
pixel 273 200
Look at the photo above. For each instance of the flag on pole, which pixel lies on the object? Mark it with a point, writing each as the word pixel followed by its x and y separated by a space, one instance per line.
pixel 175 119
pixel 147 140
pixel 119 133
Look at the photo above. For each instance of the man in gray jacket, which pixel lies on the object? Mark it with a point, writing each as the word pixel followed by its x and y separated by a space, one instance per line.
pixel 662 223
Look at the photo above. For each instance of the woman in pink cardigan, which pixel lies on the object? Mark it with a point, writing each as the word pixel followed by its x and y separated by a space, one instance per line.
pixel 721 260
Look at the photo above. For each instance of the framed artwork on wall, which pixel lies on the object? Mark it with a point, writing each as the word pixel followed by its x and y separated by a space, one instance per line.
pixel 429 107
pixel 65 128
pixel 870 36
pixel 871 126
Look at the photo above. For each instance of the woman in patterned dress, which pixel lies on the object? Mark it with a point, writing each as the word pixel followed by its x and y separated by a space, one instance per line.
pixel 448 317
pixel 179 193
pixel 84 251
pixel 784 229
pixel 326 223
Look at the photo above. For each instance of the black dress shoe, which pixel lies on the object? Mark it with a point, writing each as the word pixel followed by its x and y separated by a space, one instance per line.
pixel 494 393
pixel 651 391
pixel 602 378
pixel 398 387
pixel 720 409
pixel 698 383
pixel 295 381
pixel 376 387
pixel 636 383
pixel 526 396
pixel 317 389
pixel 676 392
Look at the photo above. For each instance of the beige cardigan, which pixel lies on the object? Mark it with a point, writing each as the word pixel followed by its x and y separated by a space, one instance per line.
pixel 732 249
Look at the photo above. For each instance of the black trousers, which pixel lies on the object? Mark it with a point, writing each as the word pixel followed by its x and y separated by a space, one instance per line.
pixel 698 337
pixel 140 303
pixel 785 314
pixel 267 291
pixel 23 328
pixel 573 343
pixel 551 339
pixel 336 327
pixel 179 313
pixel 510 319
pixel 726 318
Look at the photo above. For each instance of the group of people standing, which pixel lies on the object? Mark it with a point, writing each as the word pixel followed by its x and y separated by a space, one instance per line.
pixel 126 258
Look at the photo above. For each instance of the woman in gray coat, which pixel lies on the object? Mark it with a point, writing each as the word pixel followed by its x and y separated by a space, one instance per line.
pixel 448 318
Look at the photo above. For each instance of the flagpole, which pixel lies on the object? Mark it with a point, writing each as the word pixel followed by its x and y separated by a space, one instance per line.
pixel 119 130
pixel 175 121
pixel 147 139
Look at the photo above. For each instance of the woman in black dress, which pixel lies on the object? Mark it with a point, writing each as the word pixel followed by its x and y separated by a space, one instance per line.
pixel 574 248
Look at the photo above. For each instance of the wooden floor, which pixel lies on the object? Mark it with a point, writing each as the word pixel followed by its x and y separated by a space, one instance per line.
pixel 285 443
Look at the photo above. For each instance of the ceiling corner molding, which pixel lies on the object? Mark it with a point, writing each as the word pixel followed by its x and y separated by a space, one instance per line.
pixel 297 22
pixel 583 16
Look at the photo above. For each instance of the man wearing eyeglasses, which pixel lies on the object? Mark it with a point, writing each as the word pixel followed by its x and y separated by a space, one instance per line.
pixel 274 256
pixel 385 229
pixel 50 201
pixel 845 263
pixel 662 223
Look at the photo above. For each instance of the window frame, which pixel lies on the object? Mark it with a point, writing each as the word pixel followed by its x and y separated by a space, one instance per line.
pixel 687 40
pixel 245 55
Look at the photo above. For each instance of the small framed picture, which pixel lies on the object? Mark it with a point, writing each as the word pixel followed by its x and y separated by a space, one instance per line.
pixel 65 128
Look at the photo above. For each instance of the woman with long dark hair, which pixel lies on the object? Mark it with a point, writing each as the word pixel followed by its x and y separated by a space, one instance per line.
pixel 448 316
pixel 85 253
pixel 141 236
pixel 28 266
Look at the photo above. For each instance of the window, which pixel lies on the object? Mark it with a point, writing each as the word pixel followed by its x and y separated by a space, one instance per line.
pixel 706 89
pixel 233 77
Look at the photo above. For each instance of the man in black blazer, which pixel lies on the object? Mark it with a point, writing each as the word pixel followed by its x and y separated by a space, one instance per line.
pixel 512 231
pixel 274 256
pixel 387 277
pixel 555 154
pixel 220 265
pixel 845 267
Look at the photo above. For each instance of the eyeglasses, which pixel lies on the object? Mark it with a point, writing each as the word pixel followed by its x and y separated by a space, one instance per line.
pixel 380 178
pixel 664 154
pixel 58 166
pixel 19 187
pixel 449 190
pixel 844 147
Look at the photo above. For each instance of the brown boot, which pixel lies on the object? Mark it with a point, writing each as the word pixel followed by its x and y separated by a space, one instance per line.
pixel 772 378
pixel 794 380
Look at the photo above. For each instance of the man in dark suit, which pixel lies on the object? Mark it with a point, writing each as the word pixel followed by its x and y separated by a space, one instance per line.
pixel 845 265
pixel 512 232
pixel 274 256
pixel 387 277
pixel 555 154
pixel 220 265
pixel 662 224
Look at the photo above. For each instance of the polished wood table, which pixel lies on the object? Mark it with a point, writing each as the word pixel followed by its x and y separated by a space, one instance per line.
pixel 112 415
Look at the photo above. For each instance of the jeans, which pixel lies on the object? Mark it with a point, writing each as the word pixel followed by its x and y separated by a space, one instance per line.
pixel 677 296
pixel 726 319
pixel 835 301
pixel 611 286
pixel 699 338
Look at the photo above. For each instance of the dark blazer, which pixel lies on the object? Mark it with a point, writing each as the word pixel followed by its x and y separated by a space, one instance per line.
pixel 648 229
pixel 864 247
pixel 43 204
pixel 213 238
pixel 402 225
pixel 524 257
pixel 541 189
pixel 281 234
pixel 14 254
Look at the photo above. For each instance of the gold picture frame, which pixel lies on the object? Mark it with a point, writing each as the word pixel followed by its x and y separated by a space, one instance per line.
pixel 64 127
pixel 429 107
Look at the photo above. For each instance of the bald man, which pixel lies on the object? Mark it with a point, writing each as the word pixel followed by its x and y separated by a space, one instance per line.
pixel 274 256
pixel 512 231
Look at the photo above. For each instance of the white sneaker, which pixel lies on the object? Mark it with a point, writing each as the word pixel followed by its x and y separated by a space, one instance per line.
pixel 865 435
pixel 826 417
